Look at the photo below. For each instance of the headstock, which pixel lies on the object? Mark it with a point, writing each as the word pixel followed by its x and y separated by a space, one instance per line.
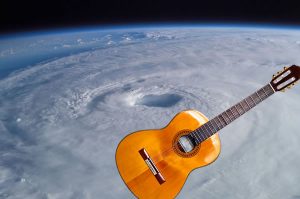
pixel 286 78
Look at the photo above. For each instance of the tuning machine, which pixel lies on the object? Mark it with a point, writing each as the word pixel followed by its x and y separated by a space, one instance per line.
pixel 276 74
pixel 290 86
pixel 279 72
pixel 284 68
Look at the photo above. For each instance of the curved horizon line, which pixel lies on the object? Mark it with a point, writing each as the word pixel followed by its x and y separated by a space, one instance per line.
pixel 147 25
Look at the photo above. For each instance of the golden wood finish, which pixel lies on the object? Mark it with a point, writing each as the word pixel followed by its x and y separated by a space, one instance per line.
pixel 158 143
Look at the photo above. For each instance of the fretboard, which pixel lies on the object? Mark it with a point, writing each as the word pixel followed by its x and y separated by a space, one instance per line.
pixel 228 116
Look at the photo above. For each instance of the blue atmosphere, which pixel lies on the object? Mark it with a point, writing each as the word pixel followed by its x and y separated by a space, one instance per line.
pixel 25 49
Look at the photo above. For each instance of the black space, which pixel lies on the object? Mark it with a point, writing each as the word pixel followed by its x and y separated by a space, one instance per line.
pixel 29 15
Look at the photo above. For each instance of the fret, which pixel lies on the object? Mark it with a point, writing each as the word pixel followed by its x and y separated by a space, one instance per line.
pixel 242 107
pixel 247 103
pixel 270 89
pixel 213 126
pixel 237 110
pixel 221 122
pixel 198 133
pixel 264 91
pixel 194 135
pixel 227 116
pixel 209 128
pixel 258 99
pixel 252 99
pixel 206 131
pixel 216 124
pixel 252 104
pixel 258 96
pixel 232 113
pixel 209 131
pixel 224 119
pixel 202 134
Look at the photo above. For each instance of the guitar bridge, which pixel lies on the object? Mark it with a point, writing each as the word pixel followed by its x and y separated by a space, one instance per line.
pixel 152 166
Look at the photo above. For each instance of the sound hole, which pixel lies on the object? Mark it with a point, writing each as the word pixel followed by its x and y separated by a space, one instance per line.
pixel 185 144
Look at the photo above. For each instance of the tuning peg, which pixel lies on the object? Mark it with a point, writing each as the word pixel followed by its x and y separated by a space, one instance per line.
pixel 274 76
pixel 284 68
pixel 283 90
pixel 279 72
pixel 296 82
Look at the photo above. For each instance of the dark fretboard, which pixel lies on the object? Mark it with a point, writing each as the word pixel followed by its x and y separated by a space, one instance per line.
pixel 225 118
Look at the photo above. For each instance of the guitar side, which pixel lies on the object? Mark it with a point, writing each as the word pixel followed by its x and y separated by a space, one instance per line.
pixel 173 166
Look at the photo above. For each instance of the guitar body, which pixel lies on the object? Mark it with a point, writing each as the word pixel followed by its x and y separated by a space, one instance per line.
pixel 151 163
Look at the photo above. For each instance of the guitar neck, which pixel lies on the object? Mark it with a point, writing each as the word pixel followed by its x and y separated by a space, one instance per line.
pixel 234 112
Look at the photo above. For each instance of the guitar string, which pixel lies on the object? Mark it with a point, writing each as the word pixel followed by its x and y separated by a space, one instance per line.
pixel 158 157
pixel 267 94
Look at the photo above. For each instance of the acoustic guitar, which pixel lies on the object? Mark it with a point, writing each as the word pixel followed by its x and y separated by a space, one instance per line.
pixel 156 163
